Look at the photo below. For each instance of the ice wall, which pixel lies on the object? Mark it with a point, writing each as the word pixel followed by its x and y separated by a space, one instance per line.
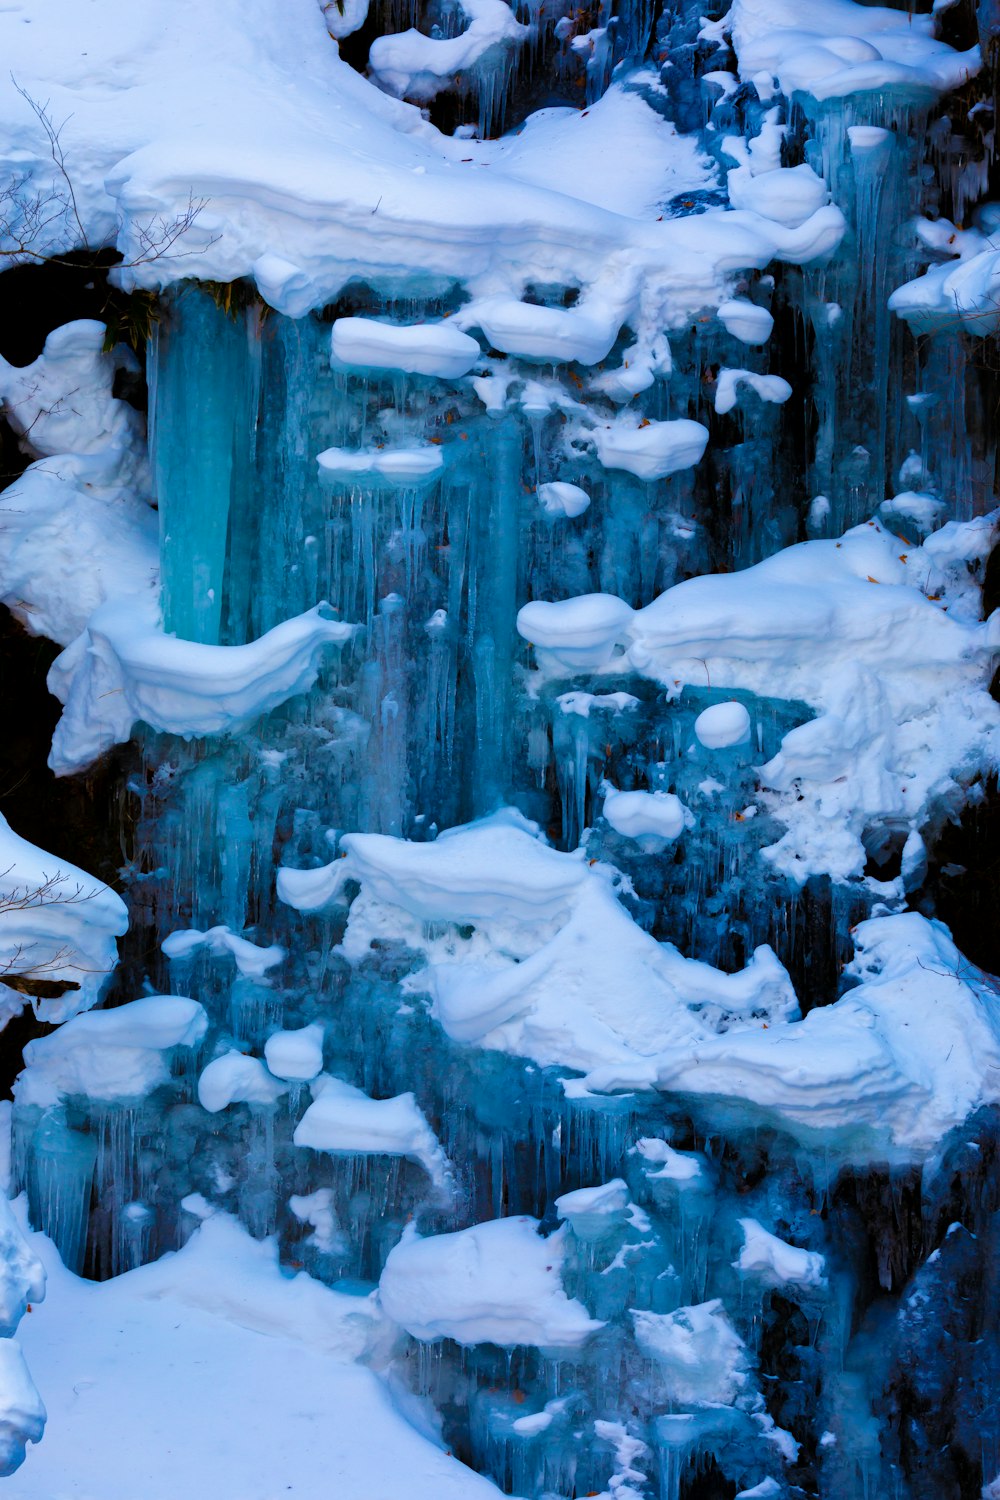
pixel 570 648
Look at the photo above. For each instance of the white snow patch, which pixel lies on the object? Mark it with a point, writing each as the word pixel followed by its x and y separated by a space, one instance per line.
pixel 495 1283
pixel 960 293
pixel 345 1121
pixel 832 48
pixel 123 670
pixel 110 1054
pixel 745 321
pixel 771 388
pixel 773 1261
pixel 414 66
pixel 403 465
pixel 56 923
pixel 249 957
pixel 722 725
pixel 296 1056
pixel 245 1338
pixel 416 348
pixel 235 1078
pixel 560 499
pixel 653 819
pixel 650 450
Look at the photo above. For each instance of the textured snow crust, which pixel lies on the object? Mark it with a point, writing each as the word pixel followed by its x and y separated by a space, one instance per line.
pixel 557 971
pixel 884 640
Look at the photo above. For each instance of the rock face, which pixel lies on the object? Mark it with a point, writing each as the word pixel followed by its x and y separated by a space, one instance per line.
pixel 549 610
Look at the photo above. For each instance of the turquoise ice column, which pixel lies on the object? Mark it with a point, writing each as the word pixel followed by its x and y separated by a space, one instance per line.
pixel 201 432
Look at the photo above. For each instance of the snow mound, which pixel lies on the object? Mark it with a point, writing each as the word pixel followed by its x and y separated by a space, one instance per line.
pixel 764 1257
pixel 110 1054
pixel 225 1314
pixel 347 1122
pixel 235 1078
pixel 654 819
pixel 417 349
pixel 650 450
pixel 555 970
pixel 495 1283
pixel 832 48
pixel 296 1056
pixel 123 670
pixel 722 725
pixel 884 1073
pixel 56 923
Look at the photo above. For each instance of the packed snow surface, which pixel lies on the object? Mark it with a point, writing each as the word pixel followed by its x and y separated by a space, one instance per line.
pixel 223 1318
pixel 494 1283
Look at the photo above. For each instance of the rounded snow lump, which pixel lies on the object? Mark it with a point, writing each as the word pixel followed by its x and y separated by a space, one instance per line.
pixel 722 725
pixel 560 499
pixel 653 818
pixel 746 321
pixel 296 1056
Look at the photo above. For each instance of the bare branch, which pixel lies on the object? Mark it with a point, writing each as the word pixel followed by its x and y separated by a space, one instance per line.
pixel 52 891
pixel 26 215
pixel 54 134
